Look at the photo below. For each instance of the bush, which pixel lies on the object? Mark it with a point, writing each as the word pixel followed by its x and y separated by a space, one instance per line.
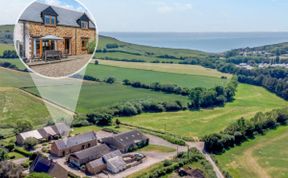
pixel 23 151
pixel 110 80
pixel 30 142
pixel 111 46
pixel 23 126
pixel 91 46
pixel 38 175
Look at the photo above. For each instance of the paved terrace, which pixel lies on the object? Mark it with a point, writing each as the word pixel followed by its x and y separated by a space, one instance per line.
pixel 60 68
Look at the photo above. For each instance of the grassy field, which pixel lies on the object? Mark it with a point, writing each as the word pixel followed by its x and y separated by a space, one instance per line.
pixel 171 68
pixel 265 156
pixel 16 105
pixel 149 76
pixel 16 62
pixel 4 47
pixel 12 78
pixel 129 51
pixel 157 148
pixel 98 96
pixel 249 100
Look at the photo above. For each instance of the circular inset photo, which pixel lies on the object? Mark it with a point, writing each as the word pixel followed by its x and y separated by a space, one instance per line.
pixel 55 39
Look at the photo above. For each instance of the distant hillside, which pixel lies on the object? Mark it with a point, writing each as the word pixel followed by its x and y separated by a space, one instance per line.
pixel 111 48
pixel 6 34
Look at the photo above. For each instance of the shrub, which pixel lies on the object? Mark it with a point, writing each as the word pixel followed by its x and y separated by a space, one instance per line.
pixel 30 142
pixel 38 175
pixel 91 46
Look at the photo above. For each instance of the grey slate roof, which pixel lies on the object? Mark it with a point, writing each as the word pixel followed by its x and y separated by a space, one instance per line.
pixel 91 153
pixel 65 17
pixel 112 154
pixel 96 163
pixel 129 138
pixel 76 140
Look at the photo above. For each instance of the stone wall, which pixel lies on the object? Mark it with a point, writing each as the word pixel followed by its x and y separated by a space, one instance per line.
pixel 37 30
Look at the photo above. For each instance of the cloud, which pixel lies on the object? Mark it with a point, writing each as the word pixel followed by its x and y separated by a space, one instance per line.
pixel 165 8
pixel 64 5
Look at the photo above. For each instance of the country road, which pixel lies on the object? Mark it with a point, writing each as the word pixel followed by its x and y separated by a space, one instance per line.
pixel 200 146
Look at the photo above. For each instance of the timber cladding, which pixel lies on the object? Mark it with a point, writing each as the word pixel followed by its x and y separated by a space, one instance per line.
pixel 76 36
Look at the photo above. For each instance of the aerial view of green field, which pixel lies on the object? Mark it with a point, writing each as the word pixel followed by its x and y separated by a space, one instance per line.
pixel 259 157
pixel 150 76
pixel 99 96
pixel 164 98
pixel 248 101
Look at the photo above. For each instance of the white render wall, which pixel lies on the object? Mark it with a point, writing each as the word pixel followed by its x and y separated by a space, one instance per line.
pixel 19 35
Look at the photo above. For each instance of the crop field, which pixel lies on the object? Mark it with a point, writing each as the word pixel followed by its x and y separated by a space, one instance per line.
pixel 97 96
pixel 129 51
pixel 249 100
pixel 148 76
pixel 264 156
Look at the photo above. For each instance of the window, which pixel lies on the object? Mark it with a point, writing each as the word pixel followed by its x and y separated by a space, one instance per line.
pixel 84 24
pixel 49 20
pixel 84 43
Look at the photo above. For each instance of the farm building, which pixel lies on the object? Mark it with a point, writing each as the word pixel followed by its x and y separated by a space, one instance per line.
pixel 127 141
pixel 46 133
pixel 73 144
pixel 114 162
pixel 45 165
pixel 84 156
pixel 96 166
pixel 44 27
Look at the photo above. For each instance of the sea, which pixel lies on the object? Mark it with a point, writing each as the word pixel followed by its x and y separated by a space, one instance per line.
pixel 208 42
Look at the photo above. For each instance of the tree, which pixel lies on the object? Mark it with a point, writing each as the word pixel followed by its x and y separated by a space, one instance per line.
pixel 3 154
pixel 110 80
pixel 10 170
pixel 96 62
pixel 30 142
pixel 23 126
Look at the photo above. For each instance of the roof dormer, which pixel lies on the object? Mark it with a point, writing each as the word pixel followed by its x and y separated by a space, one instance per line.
pixel 49 16
pixel 83 21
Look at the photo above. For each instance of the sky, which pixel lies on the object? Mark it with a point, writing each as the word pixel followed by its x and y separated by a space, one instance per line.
pixel 173 15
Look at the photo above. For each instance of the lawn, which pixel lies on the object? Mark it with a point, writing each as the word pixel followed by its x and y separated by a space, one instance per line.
pixel 157 148
pixel 149 76
pixel 80 130
pixel 264 156
pixel 248 101
pixel 98 96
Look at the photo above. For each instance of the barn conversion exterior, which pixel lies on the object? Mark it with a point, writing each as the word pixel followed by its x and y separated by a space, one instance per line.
pixel 44 165
pixel 45 133
pixel 73 144
pixel 44 27
pixel 90 154
pixel 127 141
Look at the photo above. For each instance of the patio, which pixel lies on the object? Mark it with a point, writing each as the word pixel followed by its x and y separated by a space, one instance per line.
pixel 60 68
